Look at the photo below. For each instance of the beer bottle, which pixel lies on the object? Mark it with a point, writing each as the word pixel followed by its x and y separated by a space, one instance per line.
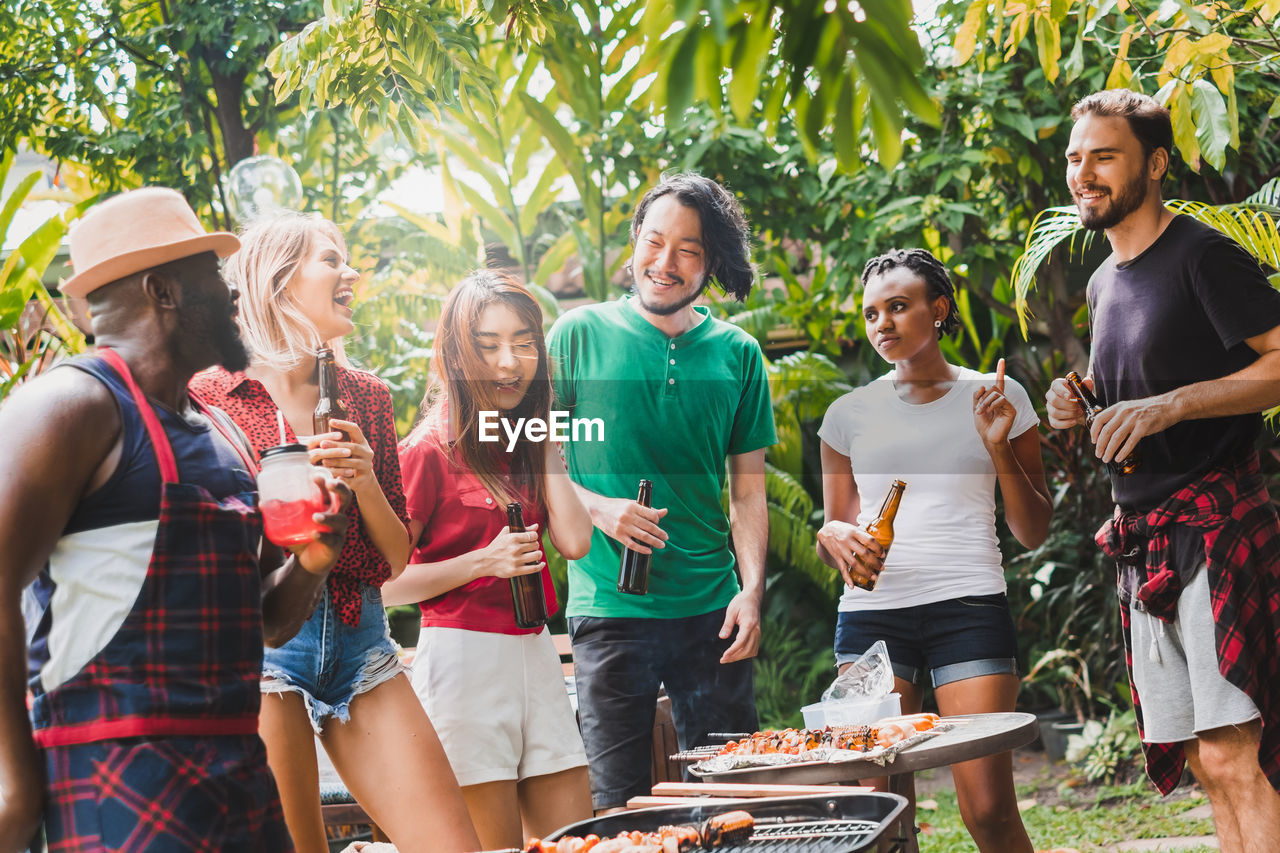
pixel 633 572
pixel 881 529
pixel 526 590
pixel 1090 406
pixel 330 405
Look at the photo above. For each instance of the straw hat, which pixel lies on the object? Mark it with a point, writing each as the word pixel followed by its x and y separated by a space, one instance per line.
pixel 135 231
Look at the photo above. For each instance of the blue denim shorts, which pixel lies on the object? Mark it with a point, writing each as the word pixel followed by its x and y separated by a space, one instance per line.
pixel 330 662
pixel 956 639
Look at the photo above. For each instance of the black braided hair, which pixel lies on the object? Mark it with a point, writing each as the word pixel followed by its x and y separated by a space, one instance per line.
pixel 725 235
pixel 936 278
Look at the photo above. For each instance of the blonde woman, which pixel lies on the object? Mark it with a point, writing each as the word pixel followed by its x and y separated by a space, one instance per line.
pixel 339 678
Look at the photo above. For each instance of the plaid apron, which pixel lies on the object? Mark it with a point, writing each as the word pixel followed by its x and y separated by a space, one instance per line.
pixel 153 745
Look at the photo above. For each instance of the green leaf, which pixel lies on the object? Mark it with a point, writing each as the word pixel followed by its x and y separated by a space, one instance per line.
pixel 975 21
pixel 567 149
pixel 1184 125
pixel 1213 127
pixel 15 200
pixel 1048 45
pixel 845 135
pixel 682 73
pixel 540 198
pixel 745 84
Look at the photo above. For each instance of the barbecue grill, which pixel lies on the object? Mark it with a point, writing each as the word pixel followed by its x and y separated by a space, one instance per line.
pixel 827 823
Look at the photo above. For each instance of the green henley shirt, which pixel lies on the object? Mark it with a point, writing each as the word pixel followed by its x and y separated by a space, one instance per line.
pixel 672 410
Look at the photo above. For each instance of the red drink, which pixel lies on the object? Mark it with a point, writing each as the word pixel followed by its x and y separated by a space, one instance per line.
pixel 290 522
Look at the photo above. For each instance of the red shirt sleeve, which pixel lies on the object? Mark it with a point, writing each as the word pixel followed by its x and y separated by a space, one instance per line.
pixel 419 470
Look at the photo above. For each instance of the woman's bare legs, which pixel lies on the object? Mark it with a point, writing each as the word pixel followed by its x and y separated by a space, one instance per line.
pixel 550 802
pixel 984 786
pixel 508 813
pixel 495 811
pixel 392 762
pixel 285 728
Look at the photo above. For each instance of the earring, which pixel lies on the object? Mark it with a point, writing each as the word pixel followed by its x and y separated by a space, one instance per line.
pixel 937 324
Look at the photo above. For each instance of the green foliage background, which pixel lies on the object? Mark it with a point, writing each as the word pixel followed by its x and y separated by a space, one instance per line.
pixel 841 135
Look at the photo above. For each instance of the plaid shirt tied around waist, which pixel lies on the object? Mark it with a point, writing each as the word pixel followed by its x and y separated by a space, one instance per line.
pixel 1230 505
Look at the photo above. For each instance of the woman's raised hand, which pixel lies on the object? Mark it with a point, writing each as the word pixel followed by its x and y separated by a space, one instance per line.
pixel 511 554
pixel 993 414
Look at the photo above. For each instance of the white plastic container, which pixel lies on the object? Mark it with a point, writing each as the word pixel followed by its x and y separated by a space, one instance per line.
pixel 850 712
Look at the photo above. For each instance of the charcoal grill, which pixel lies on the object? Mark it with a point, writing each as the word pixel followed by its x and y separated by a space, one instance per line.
pixel 828 823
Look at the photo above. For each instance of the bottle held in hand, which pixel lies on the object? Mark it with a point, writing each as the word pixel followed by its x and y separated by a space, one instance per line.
pixel 633 571
pixel 881 529
pixel 330 405
pixel 526 590
pixel 1090 406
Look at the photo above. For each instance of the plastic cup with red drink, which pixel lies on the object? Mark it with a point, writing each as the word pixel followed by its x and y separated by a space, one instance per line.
pixel 289 496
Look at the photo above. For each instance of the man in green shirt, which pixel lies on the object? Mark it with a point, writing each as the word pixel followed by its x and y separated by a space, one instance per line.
pixel 684 402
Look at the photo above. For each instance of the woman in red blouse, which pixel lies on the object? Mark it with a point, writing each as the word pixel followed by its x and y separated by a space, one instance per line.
pixel 340 678
pixel 494 690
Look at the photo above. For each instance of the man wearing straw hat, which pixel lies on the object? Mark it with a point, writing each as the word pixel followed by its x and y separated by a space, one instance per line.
pixel 127 512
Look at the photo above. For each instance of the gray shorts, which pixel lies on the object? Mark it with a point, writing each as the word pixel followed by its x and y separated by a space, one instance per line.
pixel 1175 670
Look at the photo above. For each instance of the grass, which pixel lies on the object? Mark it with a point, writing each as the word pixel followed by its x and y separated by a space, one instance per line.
pixel 1087 820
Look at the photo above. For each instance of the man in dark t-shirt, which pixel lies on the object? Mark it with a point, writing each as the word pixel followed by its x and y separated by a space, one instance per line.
pixel 1186 353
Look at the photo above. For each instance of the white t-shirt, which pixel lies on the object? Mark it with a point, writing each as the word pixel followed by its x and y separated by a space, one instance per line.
pixel 944 542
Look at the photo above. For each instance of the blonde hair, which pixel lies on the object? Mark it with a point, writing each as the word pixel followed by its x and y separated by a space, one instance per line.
pixel 278 334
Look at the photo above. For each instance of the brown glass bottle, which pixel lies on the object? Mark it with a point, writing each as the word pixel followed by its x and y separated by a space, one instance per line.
pixel 633 571
pixel 330 405
pixel 526 590
pixel 1090 406
pixel 881 529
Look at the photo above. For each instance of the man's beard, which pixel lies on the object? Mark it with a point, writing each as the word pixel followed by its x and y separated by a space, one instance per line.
pixel 1117 206
pixel 674 307
pixel 218 328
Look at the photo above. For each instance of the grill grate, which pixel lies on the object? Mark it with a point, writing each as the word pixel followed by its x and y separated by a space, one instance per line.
pixel 814 829
pixel 839 823
pixel 822 836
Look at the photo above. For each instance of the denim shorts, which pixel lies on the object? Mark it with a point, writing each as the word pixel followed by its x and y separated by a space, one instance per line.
pixel 956 639
pixel 330 663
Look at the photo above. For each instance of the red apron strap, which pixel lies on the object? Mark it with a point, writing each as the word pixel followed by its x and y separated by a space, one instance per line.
pixel 233 438
pixel 159 440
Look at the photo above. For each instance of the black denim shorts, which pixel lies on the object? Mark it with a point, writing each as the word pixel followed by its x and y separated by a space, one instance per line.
pixel 956 639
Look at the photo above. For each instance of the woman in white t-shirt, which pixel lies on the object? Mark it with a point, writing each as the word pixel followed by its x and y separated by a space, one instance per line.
pixel 938 600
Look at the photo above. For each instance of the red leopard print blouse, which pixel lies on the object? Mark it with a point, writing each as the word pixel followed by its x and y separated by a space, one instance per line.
pixel 251 407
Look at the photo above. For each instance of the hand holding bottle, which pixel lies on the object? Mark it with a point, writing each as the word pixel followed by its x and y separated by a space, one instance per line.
pixel 858 555
pixel 346 453
pixel 629 522
pixel 513 553
pixel 1061 406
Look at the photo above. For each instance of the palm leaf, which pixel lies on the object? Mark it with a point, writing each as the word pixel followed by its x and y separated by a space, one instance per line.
pixel 792 543
pixel 1269 194
pixel 1050 228
pixel 1252 224
pixel 786 492
pixel 758 322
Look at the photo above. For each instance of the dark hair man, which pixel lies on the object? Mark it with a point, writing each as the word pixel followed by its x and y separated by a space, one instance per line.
pixel 679 393
pixel 1185 353
pixel 127 511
